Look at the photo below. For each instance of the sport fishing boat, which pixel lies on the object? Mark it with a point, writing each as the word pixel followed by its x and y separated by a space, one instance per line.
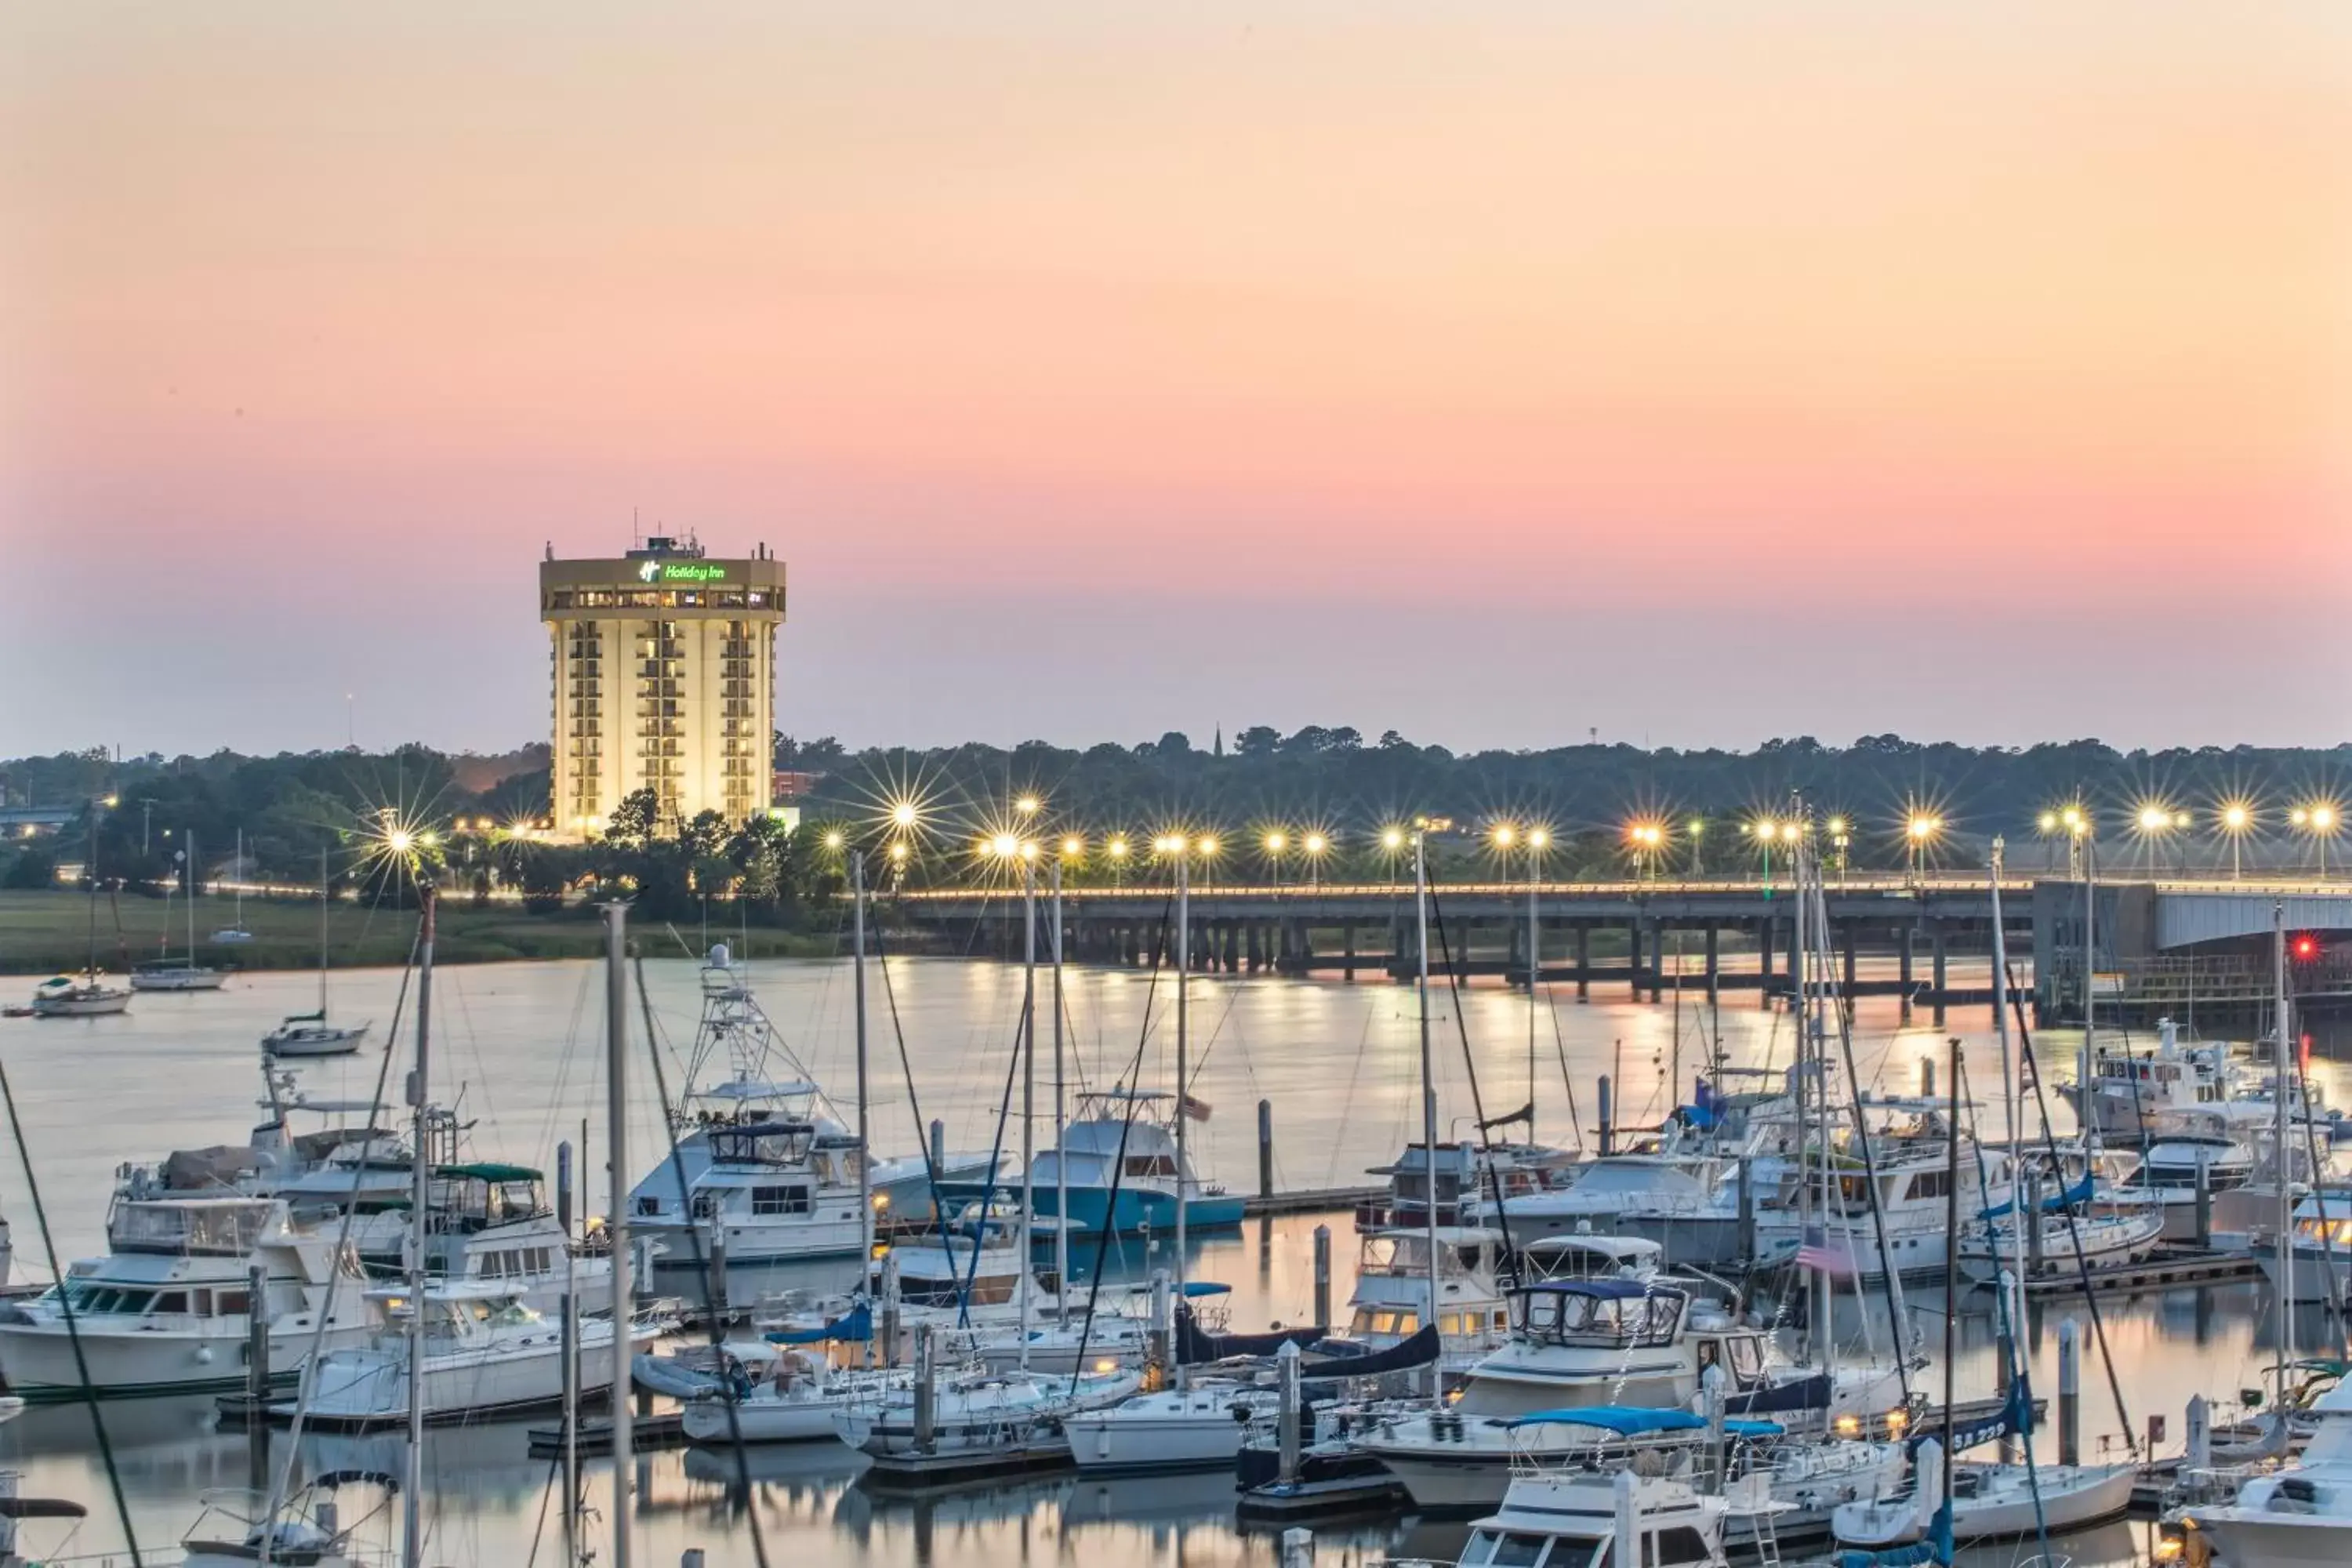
pixel 788 1187
pixel 1578 1344
pixel 167 1310
pixel 1125 1139
pixel 485 1351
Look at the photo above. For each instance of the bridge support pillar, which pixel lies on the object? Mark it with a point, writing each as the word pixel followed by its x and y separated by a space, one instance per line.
pixel 1517 964
pixel 1300 940
pixel 1232 947
pixel 1936 934
pixel 1583 962
pixel 1903 977
pixel 1764 929
pixel 1348 950
pixel 1256 957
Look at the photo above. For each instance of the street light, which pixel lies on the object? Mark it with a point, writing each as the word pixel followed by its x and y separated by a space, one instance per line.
pixel 1315 845
pixel 2320 819
pixel 2236 819
pixel 1274 843
pixel 1920 831
pixel 1028 805
pixel 1697 828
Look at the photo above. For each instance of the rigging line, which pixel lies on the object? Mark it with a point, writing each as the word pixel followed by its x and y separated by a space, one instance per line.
pixel 987 1192
pixel 1890 1282
pixel 2319 1201
pixel 621 1323
pixel 1109 1224
pixel 2021 1380
pixel 2073 1228
pixel 1348 1101
pixel 73 1330
pixel 1507 1269
pixel 306 1372
pixel 1560 1043
pixel 539 1525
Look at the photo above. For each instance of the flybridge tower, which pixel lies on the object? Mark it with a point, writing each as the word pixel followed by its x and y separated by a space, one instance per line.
pixel 662 666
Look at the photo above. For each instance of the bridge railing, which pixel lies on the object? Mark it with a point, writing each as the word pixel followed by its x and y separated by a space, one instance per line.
pixel 1677 887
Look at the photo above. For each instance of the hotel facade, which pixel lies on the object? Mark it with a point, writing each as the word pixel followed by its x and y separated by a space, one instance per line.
pixel 662 665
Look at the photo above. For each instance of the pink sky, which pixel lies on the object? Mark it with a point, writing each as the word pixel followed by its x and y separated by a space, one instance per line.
pixel 1697 372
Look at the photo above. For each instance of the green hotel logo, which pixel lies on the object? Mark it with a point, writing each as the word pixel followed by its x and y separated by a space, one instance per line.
pixel 681 572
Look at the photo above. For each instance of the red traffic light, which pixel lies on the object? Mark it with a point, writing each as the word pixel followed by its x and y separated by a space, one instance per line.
pixel 2305 948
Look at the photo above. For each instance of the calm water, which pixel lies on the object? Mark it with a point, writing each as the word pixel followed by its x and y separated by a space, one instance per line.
pixel 519 1047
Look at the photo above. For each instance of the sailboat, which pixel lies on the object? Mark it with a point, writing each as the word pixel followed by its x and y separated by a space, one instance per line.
pixel 88 997
pixel 309 1033
pixel 229 936
pixel 168 973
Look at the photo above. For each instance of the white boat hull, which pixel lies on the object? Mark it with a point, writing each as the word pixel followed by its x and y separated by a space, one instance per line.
pixel 2105 1243
pixel 82 1006
pixel 781 1241
pixel 39 1359
pixel 2012 1504
pixel 802 1415
pixel 2244 1539
pixel 195 980
pixel 328 1042
pixel 1196 1429
pixel 367 1387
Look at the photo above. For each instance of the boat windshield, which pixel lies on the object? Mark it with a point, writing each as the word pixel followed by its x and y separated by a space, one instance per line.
pixel 1589 1316
pixel 228 1229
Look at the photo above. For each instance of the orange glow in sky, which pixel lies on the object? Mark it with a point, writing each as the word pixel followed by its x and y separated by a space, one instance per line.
pixel 1150 344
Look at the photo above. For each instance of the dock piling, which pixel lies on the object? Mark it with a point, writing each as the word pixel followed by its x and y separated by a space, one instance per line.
pixel 2070 1392
pixel 1287 1359
pixel 1607 1111
pixel 927 1392
pixel 1298 1547
pixel 1266 1148
pixel 2201 1434
pixel 1322 1276
pixel 257 1377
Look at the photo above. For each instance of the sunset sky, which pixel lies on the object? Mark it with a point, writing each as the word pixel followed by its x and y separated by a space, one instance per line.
pixel 1695 372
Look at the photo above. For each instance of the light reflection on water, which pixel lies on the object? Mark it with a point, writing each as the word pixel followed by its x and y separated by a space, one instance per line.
pixel 519 1047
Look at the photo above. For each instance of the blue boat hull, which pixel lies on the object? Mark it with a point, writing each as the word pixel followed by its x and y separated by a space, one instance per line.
pixel 1138 1211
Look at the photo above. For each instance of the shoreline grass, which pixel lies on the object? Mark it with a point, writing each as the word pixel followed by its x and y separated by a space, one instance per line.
pixel 45 932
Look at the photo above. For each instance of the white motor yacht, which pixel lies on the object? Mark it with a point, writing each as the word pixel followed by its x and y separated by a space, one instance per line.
pixel 1579 1344
pixel 1465 1179
pixel 1391 1296
pixel 732 1082
pixel 2140 1097
pixel 1585 1516
pixel 166 1310
pixel 2299 1516
pixel 485 1351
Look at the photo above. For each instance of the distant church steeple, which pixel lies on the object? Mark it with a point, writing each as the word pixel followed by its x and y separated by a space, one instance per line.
pixel 1220 741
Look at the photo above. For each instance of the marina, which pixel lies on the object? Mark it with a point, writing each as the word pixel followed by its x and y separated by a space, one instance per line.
pixel 1267 1261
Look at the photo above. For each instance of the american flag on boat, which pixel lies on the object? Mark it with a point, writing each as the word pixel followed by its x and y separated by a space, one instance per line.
pixel 1196 1109
pixel 1819 1252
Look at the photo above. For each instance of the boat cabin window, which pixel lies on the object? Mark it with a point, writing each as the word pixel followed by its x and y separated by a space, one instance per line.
pixel 232 1303
pixel 1151 1165
pixel 170 1301
pixel 1929 1184
pixel 780 1200
pixel 1675 1544
pixel 1507 1549
pixel 1746 1359
pixel 1586 1316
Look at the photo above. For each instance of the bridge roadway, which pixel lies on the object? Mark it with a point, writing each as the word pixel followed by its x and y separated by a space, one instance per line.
pixel 1620 932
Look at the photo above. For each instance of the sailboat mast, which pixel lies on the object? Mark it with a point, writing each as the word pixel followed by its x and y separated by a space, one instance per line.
pixel 412 1540
pixel 2011 1109
pixel 1061 1113
pixel 2090 964
pixel 1028 1085
pixel 1802 1075
pixel 1428 1095
pixel 1184 1030
pixel 91 972
pixel 857 992
pixel 192 901
pixel 1535 971
pixel 322 936
pixel 2285 1243
pixel 616 1225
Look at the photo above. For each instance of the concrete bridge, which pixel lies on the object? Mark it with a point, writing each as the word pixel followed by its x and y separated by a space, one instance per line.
pixel 1698 936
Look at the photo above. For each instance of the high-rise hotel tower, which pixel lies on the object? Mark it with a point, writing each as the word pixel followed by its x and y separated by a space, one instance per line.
pixel 664 668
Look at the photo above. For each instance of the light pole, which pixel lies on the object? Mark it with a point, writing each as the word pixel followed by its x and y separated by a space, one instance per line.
pixel 2237 818
pixel 2320 819
pixel 1315 845
pixel 1274 843
pixel 1697 830
pixel 1921 831
pixel 1116 852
